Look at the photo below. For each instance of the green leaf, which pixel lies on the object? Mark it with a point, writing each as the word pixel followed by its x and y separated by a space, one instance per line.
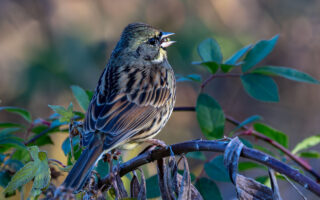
pixel 23 176
pixel 309 154
pixel 152 184
pixel 7 139
pixel 42 176
pixel 209 50
pixel 66 114
pixel 7 131
pixel 236 56
pixel 247 121
pixel 190 77
pixel 2 157
pixel 45 139
pixel 287 73
pixel 264 180
pixel 5 177
pixel 196 155
pixel 81 96
pixel 208 189
pixel 102 168
pixel 210 117
pixel 38 170
pixel 20 111
pixel 34 152
pixel 78 115
pixel 210 65
pixel 22 155
pixel 77 152
pixel 260 50
pixel 246 143
pixel 272 133
pixel 14 164
pixel 260 87
pixel 90 94
pixel 306 143
pixel 226 68
pixel 243 166
pixel 10 125
pixel 66 144
pixel 216 170
pixel 15 141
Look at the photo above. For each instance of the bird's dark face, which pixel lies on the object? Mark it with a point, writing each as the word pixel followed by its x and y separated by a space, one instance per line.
pixel 147 42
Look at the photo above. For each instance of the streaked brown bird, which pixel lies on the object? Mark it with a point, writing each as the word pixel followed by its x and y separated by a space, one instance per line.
pixel 133 100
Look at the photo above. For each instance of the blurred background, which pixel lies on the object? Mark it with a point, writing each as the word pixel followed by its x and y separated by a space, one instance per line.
pixel 46 46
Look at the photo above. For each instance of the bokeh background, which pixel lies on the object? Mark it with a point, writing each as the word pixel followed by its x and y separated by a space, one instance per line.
pixel 48 45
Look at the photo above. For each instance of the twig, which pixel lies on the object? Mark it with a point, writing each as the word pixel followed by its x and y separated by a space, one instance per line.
pixel 34 138
pixel 229 75
pixel 217 146
pixel 57 161
pixel 41 134
pixel 260 136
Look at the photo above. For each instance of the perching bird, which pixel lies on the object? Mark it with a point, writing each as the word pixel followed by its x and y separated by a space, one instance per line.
pixel 133 100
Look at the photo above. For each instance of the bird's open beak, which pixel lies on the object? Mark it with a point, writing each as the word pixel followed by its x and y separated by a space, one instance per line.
pixel 165 40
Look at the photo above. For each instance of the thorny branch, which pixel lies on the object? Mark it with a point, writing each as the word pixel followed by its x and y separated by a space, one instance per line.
pixel 215 146
pixel 249 131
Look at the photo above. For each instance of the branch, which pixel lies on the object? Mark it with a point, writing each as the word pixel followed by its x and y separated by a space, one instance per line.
pixel 258 135
pixel 37 136
pixel 44 132
pixel 216 146
pixel 208 80
pixel 57 162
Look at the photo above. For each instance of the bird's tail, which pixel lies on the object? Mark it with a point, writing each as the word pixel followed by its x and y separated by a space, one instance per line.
pixel 81 170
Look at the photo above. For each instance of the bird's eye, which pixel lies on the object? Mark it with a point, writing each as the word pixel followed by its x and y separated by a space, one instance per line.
pixel 152 41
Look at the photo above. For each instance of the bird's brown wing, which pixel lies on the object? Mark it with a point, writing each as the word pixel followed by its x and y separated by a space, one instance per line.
pixel 120 115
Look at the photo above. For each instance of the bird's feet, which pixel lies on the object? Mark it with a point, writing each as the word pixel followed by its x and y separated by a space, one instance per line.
pixel 156 142
pixel 224 139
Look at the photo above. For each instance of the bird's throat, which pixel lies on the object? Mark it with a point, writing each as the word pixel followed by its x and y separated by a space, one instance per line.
pixel 162 55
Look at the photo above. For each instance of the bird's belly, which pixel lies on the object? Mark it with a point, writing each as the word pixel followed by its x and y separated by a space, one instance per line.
pixel 129 146
pixel 155 126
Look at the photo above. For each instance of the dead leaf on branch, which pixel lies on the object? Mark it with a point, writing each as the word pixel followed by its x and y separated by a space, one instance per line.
pixel 247 188
pixel 138 190
pixel 173 185
pixel 185 184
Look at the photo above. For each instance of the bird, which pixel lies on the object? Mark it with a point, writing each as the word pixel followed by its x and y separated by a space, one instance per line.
pixel 132 102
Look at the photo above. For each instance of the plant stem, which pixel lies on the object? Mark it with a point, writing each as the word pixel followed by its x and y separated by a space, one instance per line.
pixel 248 131
pixel 216 146
pixel 57 161
pixel 229 75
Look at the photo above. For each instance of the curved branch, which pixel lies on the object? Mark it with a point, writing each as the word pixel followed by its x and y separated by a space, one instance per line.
pixel 216 146
pixel 260 136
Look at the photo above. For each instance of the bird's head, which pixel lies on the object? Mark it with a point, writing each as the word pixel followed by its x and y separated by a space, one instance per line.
pixel 145 41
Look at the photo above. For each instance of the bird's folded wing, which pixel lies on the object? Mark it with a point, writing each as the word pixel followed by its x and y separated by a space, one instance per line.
pixel 126 114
